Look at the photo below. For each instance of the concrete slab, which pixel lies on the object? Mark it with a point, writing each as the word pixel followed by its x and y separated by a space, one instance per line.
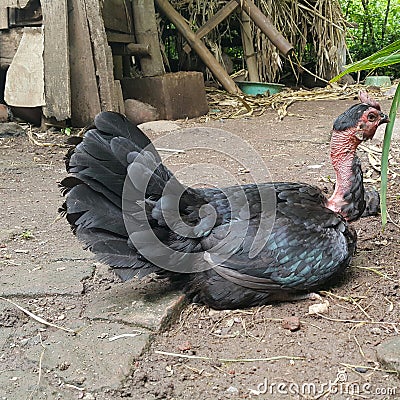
pixel 7 234
pixel 158 126
pixel 152 305
pixel 23 385
pixel 388 353
pixel 61 278
pixel 4 335
pixel 99 357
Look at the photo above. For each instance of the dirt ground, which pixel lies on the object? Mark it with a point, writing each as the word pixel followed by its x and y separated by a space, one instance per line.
pixel 242 353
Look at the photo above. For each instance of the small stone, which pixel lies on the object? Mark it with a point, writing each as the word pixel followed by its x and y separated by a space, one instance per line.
pixel 3 113
pixel 388 353
pixel 63 366
pixel 232 390
pixel 291 323
pixel 139 112
pixel 88 396
pixel 184 346
pixel 319 308
pixel 361 370
pixel 376 331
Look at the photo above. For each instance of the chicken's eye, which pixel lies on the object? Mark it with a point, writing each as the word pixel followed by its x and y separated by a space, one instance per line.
pixel 371 117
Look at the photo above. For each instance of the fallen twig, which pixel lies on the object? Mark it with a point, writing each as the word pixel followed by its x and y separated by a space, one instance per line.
pixel 353 321
pixel 37 318
pixel 169 150
pixel 43 144
pixel 137 333
pixel 375 271
pixel 165 353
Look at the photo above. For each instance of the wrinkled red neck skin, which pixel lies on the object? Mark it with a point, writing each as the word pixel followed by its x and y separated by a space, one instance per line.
pixel 343 148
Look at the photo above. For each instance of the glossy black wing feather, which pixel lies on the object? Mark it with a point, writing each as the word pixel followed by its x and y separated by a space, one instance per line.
pixel 308 245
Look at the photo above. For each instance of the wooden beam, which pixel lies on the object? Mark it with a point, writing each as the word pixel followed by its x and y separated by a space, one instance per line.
pixel 130 49
pixel 266 25
pixel 198 46
pixel 146 32
pixel 215 20
pixel 116 37
pixel 248 48
pixel 56 63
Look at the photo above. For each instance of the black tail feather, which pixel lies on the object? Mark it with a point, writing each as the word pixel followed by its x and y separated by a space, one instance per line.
pixel 98 168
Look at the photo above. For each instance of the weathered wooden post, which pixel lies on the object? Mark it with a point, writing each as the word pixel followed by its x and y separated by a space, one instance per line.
pixel 146 33
pixel 248 48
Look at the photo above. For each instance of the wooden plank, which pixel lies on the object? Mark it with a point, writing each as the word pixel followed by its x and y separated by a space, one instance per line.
pixel 117 15
pixel 118 94
pixel 85 100
pixel 216 19
pixel 102 57
pixel 56 63
pixel 3 17
pixel 116 37
pixel 144 19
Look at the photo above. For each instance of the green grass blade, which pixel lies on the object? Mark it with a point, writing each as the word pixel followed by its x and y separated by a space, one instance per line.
pixel 385 154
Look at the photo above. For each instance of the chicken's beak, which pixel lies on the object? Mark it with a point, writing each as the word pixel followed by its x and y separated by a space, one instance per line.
pixel 384 119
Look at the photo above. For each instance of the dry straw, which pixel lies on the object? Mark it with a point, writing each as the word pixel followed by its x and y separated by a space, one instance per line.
pixel 315 28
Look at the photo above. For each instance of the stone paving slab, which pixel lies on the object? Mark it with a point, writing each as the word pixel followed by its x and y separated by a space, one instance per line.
pixel 388 353
pixel 20 385
pixel 100 356
pixel 56 278
pixel 152 305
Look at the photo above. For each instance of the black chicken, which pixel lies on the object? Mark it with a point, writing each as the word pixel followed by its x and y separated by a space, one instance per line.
pixel 230 248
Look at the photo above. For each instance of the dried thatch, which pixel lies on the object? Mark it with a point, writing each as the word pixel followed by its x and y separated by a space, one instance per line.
pixel 316 29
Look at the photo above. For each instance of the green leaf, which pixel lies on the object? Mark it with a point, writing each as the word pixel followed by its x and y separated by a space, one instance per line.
pixel 385 154
pixel 389 55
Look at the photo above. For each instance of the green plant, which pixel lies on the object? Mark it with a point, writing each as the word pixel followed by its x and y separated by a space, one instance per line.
pixel 66 131
pixel 26 235
pixel 371 26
